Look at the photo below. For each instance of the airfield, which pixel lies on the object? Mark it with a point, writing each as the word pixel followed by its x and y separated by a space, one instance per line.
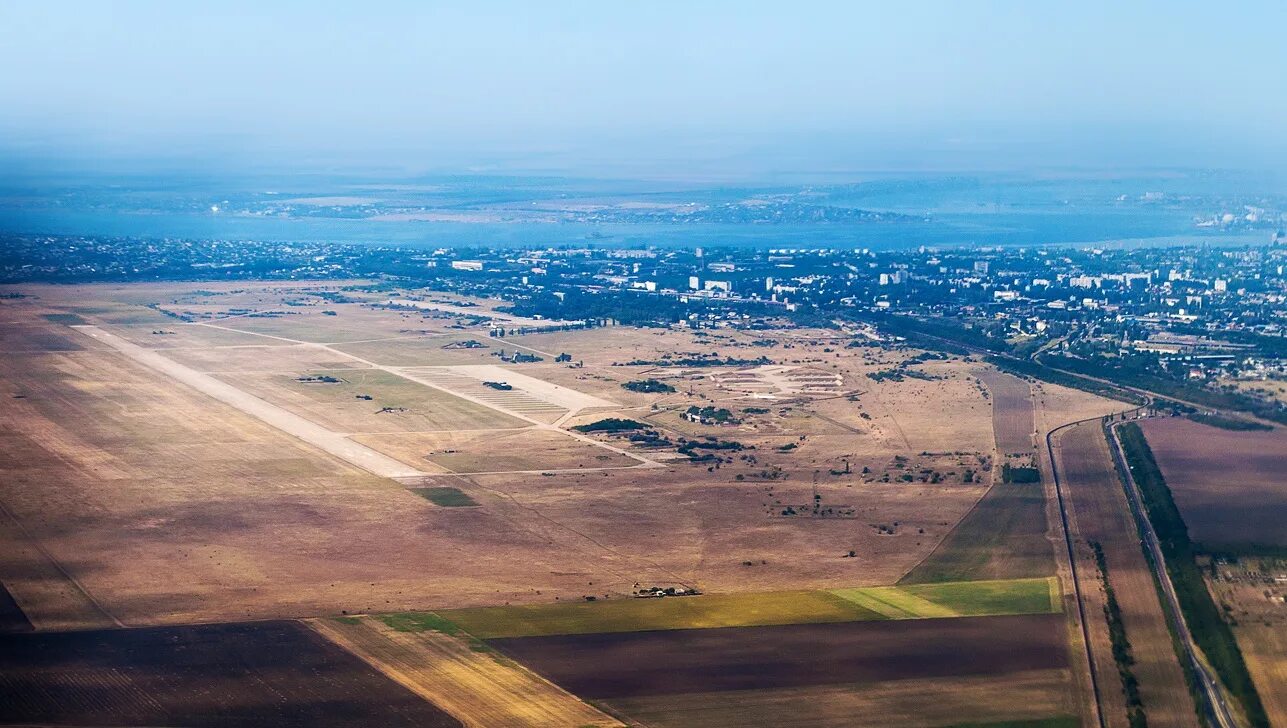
pixel 463 541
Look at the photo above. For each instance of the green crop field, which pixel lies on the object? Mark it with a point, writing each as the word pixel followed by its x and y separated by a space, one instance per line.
pixel 927 601
pixel 978 598
pixel 957 599
pixel 1003 537
pixel 633 615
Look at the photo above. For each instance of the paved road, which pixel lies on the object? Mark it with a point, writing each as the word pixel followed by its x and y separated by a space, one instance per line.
pixel 1215 704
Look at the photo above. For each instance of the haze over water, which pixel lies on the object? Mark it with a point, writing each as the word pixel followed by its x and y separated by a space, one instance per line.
pixel 140 118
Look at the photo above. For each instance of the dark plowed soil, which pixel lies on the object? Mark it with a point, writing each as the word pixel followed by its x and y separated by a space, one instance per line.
pixel 266 673
pixel 12 618
pixel 1228 484
pixel 748 658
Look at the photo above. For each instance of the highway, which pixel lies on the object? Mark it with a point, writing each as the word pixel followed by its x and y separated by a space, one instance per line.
pixel 1214 702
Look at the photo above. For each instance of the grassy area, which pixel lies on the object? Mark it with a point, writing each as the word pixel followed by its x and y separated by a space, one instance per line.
pixel 1212 633
pixel 893 602
pixel 1003 537
pixel 1024 596
pixel 445 496
pixel 958 599
pixel 419 622
pixel 977 598
pixel 633 615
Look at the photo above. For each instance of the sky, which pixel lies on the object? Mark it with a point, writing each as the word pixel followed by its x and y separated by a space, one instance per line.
pixel 657 87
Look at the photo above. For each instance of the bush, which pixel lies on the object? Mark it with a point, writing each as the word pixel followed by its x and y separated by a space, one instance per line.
pixel 611 424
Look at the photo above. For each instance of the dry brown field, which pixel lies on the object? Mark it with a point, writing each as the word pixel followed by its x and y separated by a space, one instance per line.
pixel 173 507
pixel 1229 485
pixel 1099 513
pixel 130 497
pixel 483 451
pixel 397 404
pixel 1264 647
pixel 1252 590
pixel 1012 412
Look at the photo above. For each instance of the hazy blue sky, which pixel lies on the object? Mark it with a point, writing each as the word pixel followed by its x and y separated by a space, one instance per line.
pixel 653 85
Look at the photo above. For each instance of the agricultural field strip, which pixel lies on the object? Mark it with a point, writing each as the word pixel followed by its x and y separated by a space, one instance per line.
pixel 1101 513
pixel 1031 699
pixel 676 662
pixel 275 673
pixel 419 379
pixel 334 443
pixel 476 686
pixel 926 601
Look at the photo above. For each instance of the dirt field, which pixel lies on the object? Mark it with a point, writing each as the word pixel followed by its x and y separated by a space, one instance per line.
pixel 1100 514
pixel 608 666
pixel 1228 484
pixel 1012 411
pixel 473 683
pixel 269 673
pixel 171 506
pixel 1039 696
